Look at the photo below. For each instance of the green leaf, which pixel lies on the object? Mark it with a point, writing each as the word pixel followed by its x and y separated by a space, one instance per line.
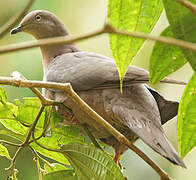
pixel 53 167
pixel 4 151
pixel 3 96
pixel 132 15
pixel 12 134
pixel 165 59
pixel 183 25
pixel 60 135
pixel 91 163
pixel 187 118
pixel 61 175
pixel 28 110
pixel 14 176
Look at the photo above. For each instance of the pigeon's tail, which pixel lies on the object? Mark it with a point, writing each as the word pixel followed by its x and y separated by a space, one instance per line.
pixel 168 151
pixel 149 131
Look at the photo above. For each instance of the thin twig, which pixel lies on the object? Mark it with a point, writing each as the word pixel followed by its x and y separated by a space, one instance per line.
pixel 188 5
pixel 70 92
pixel 106 29
pixel 9 143
pixel 12 165
pixel 31 129
pixel 94 141
pixel 12 21
pixel 45 128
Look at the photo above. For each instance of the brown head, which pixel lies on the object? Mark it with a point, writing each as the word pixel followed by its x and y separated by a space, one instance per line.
pixel 43 24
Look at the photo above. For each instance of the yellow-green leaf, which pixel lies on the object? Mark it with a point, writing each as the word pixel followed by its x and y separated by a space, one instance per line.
pixel 4 151
pixel 132 15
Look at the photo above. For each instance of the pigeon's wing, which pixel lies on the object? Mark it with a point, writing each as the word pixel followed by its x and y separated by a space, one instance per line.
pixel 90 71
pixel 87 71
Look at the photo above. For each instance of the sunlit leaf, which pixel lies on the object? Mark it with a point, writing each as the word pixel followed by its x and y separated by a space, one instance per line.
pixel 183 25
pixel 14 176
pixel 91 163
pixel 4 151
pixel 187 118
pixel 133 15
pixel 165 59
pixel 60 135
pixel 3 96
pixel 13 115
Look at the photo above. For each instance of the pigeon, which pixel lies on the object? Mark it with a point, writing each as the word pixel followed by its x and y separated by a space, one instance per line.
pixel 137 112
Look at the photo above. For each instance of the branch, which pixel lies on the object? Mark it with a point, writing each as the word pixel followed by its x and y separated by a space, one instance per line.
pixel 48 102
pixel 12 21
pixel 70 92
pixel 106 29
pixel 188 5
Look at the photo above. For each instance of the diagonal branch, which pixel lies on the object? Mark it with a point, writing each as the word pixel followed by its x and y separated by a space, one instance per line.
pixel 70 92
pixel 48 102
pixel 13 20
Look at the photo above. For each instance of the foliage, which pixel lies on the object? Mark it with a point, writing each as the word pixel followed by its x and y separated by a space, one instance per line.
pixel 15 118
pixel 187 118
pixel 133 15
pixel 74 157
pixel 165 59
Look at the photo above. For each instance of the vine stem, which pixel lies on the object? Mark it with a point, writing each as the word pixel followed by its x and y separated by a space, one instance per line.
pixel 12 21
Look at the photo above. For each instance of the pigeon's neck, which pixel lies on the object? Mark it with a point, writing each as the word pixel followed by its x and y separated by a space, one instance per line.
pixel 49 52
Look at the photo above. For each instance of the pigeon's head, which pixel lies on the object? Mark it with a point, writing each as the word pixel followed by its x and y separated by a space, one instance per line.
pixel 41 24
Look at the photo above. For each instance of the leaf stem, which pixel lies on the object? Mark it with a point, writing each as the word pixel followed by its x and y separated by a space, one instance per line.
pixel 85 127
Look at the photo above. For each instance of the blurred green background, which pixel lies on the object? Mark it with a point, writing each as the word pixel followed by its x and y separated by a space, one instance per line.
pixel 81 17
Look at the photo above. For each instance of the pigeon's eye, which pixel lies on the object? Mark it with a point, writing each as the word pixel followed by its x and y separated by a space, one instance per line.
pixel 37 17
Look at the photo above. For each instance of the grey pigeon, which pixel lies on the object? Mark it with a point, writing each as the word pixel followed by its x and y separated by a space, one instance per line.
pixel 138 112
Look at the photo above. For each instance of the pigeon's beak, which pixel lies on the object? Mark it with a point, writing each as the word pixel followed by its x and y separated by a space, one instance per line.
pixel 16 30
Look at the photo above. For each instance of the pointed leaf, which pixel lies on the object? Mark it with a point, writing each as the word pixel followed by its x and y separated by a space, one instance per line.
pixel 183 25
pixel 91 163
pixel 132 15
pixel 187 118
pixel 4 151
pixel 165 59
